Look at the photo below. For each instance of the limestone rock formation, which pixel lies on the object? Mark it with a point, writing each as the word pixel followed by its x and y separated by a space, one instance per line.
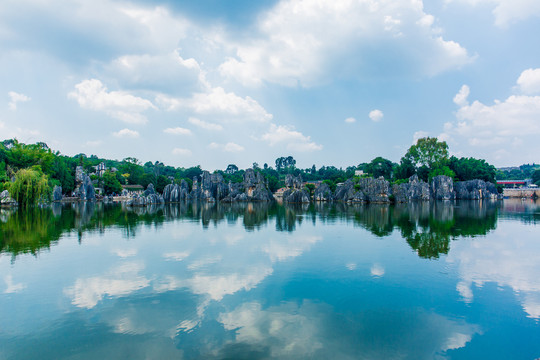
pixel 375 190
pixel 295 193
pixel 323 193
pixel 149 190
pixel 346 192
pixel 152 199
pixel 475 190
pixel 57 193
pixel 5 198
pixel 442 188
pixel 414 190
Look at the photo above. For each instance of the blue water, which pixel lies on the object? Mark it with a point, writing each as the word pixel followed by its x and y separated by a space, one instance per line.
pixel 252 281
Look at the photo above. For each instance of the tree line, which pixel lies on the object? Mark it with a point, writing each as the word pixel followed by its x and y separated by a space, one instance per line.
pixel 30 171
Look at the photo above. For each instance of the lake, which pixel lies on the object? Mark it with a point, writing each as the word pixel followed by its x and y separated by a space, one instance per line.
pixel 265 281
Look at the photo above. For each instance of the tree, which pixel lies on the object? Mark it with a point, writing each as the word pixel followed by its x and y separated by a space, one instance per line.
pixel 231 169
pixel 536 177
pixel 30 186
pixel 405 169
pixel 471 168
pixel 111 185
pixel 428 151
pixel 285 163
pixel 380 167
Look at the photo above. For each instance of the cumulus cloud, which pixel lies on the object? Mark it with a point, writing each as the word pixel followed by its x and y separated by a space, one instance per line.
pixel 228 147
pixel 181 152
pixel 298 41
pixel 529 81
pixel 205 125
pixel 15 98
pixel 508 11
pixel 461 97
pixel 126 133
pixel 177 131
pixel 491 131
pixel 220 104
pixel 376 115
pixel 506 263
pixel 92 94
pixel 350 120
pixel 11 287
pixel 162 72
pixel 120 281
pixel 292 139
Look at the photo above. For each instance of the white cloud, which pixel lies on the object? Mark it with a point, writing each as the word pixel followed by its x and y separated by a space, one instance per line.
pixel 461 97
pixel 15 98
pixel 162 72
pixel 228 147
pixel 298 41
pixel 501 259
pixel 510 125
pixel 529 81
pixel 181 152
pixel 377 270
pixel 220 104
pixel 293 139
pixel 508 11
pixel 376 115
pixel 11 287
pixel 92 94
pixel 177 131
pixel 350 120
pixel 120 281
pixel 126 133
pixel 205 125
pixel 176 256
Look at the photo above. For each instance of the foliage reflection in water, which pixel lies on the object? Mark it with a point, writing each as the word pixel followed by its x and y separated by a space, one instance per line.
pixel 257 280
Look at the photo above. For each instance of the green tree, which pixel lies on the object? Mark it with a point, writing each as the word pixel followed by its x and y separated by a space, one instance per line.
pixel 471 168
pixel 405 169
pixel 536 177
pixel 30 186
pixel 380 167
pixel 111 185
pixel 428 151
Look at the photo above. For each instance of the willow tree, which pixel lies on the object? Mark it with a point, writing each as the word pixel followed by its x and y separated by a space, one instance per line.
pixel 30 186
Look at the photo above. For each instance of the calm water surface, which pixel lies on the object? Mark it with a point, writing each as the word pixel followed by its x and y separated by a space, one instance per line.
pixel 257 281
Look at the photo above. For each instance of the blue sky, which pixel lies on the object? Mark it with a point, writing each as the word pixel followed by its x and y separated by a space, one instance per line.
pixel 215 82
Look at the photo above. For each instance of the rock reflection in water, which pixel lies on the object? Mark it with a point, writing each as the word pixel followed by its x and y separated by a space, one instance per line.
pixel 427 227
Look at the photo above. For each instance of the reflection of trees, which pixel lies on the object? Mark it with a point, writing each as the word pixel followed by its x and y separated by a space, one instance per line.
pixel 427 227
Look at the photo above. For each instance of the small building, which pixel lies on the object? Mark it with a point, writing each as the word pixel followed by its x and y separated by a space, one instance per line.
pixel 358 172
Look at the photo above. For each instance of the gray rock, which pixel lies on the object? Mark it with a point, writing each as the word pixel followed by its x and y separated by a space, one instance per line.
pixel 57 193
pixel 475 190
pixel 294 182
pixel 414 190
pixel 256 186
pixel 149 190
pixel 345 191
pixel 323 193
pixel 295 196
pixel 442 188
pixel 375 190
